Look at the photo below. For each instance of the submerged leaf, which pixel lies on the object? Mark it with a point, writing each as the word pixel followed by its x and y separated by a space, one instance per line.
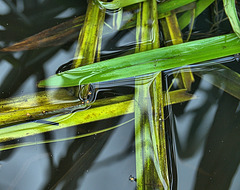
pixel 54 36
pixel 151 158
pixel 148 62
pixel 177 96
pixel 45 104
pixel 66 120
pixel 223 78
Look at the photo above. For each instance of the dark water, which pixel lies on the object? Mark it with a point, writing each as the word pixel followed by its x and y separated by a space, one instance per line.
pixel 202 134
pixel 205 136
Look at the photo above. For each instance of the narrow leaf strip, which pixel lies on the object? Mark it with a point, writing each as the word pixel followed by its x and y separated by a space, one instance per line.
pixel 89 42
pixel 148 62
pixel 12 146
pixel 186 79
pixel 201 5
pixel 230 9
pixel 168 6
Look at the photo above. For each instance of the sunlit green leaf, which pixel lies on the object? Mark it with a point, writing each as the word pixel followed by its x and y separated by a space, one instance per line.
pixel 148 62
pixel 185 18
pixel 230 9
pixel 168 6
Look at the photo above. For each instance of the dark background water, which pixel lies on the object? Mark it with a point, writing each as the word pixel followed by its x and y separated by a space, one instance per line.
pixel 205 137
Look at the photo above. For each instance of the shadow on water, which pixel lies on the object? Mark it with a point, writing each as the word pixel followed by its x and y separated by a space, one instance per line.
pixel 221 159
pixel 206 139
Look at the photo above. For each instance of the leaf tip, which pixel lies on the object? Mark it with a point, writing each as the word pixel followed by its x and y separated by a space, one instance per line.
pixel 42 84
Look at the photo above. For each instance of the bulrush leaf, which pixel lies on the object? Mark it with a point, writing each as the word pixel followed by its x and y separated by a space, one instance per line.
pixel 150 151
pixel 148 62
pixel 168 6
pixel 66 120
pixel 185 18
pixel 230 9
pixel 54 36
pixel 186 78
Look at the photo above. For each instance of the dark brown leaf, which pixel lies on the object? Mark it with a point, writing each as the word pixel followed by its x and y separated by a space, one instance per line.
pixel 54 36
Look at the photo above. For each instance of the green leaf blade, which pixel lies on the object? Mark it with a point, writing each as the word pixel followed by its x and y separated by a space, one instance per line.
pixel 148 62
pixel 230 9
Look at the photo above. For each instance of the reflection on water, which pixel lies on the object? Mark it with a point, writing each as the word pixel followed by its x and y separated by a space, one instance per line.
pixel 202 133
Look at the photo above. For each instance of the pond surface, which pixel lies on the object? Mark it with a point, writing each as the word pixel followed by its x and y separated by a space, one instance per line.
pixel 202 134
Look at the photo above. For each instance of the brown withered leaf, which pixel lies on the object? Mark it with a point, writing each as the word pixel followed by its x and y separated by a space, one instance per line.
pixel 54 36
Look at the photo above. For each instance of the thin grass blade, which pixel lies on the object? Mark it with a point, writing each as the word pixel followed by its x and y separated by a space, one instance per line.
pixel 230 9
pixel 12 146
pixel 185 18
